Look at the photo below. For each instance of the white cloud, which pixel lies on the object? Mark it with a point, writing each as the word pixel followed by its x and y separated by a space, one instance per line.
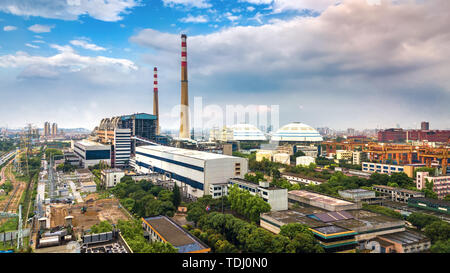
pixel 40 28
pixel 9 28
pixel 250 8
pixel 194 19
pixel 111 10
pixel 231 17
pixel 65 61
pixel 84 44
pixel 351 49
pixel 31 45
pixel 188 3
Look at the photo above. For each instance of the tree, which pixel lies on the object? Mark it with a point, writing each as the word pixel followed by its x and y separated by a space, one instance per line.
pixel 176 196
pixel 103 226
pixel 421 220
pixel 438 231
pixel 429 190
pixel 291 230
pixel 441 247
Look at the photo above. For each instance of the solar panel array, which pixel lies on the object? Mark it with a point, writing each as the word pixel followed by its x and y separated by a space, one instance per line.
pixel 333 216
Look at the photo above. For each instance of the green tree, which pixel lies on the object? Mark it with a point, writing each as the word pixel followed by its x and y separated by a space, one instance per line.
pixel 176 196
pixel 421 220
pixel 441 247
pixel 438 231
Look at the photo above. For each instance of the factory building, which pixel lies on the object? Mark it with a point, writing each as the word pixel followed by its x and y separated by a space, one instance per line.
pixel 397 194
pixel 163 229
pixel 321 201
pixel 91 153
pixel 196 170
pixel 437 205
pixel 298 133
pixel 312 151
pixel 111 177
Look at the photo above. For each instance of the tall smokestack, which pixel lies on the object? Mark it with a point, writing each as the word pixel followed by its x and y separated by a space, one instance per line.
pixel 184 114
pixel 155 98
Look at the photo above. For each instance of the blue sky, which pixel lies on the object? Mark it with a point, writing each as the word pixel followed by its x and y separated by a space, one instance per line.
pixel 350 63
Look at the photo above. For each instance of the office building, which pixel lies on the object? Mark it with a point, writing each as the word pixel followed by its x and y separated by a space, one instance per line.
pixel 54 129
pixel 47 130
pixel 191 168
pixel 91 153
pixel 344 155
pixel 276 197
pixel 424 125
pixel 165 230
pixel 441 184
pixel 111 177
pixel 356 158
pixel 382 168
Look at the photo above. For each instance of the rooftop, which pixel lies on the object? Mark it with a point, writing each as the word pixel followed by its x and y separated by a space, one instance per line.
pixel 174 234
pixel 184 152
pixel 397 189
pixel 304 176
pixel 406 237
pixel 319 197
pixel 115 170
pixel 90 143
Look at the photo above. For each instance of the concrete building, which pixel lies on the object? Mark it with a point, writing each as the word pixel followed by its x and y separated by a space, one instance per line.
pixel 305 160
pixel 397 194
pixel 111 177
pixel 92 153
pixel 299 178
pixel 321 201
pixel 163 229
pixel 264 154
pixel 407 241
pixel 237 132
pixel 194 169
pixel 276 197
pixel 441 184
pixel 312 151
pixel 344 155
pixel 54 129
pixel 356 158
pixel 282 158
pixel 47 130
pixel 357 194
pixel 387 168
pixel 88 187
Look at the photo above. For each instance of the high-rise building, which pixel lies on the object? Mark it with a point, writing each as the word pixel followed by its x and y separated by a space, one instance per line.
pixel 47 129
pixel 425 125
pixel 54 129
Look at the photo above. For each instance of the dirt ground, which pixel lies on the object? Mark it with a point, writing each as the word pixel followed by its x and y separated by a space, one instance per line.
pixel 97 211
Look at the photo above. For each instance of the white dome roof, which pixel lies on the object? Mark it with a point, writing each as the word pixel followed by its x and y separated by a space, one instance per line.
pixel 247 132
pixel 297 132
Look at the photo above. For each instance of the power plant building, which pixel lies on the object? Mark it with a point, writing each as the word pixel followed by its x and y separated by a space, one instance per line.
pixel 297 133
pixel 196 170
pixel 92 153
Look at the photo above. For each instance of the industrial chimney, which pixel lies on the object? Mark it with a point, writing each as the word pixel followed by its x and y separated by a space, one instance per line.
pixel 155 98
pixel 184 113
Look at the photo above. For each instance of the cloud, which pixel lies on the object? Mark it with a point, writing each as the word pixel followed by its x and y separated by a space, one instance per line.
pixel 194 19
pixel 111 10
pixel 65 61
pixel 9 28
pixel 350 54
pixel 231 17
pixel 31 45
pixel 188 3
pixel 84 44
pixel 40 28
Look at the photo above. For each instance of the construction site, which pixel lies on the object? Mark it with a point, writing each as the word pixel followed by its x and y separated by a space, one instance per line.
pixel 86 214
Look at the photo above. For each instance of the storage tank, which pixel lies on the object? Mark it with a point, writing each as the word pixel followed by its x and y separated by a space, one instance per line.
pixel 49 241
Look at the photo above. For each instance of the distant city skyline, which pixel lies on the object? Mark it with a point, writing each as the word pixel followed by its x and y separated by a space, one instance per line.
pixel 356 64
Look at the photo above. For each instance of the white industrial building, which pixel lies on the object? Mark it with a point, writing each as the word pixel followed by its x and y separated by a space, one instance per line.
pixel 111 177
pixel 304 160
pixel 237 132
pixel 92 153
pixel 276 197
pixel 297 132
pixel 194 169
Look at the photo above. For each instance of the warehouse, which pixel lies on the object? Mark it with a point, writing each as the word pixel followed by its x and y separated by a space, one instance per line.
pixel 194 169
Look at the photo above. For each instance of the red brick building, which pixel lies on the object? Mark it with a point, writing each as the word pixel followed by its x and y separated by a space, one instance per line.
pixel 400 135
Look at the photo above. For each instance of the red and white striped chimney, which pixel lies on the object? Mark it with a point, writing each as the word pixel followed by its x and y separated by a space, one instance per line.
pixel 184 115
pixel 155 98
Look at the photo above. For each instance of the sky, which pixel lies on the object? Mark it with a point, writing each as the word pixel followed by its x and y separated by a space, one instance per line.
pixel 341 64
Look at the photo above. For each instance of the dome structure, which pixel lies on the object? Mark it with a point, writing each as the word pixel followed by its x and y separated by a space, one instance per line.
pixel 297 132
pixel 247 132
